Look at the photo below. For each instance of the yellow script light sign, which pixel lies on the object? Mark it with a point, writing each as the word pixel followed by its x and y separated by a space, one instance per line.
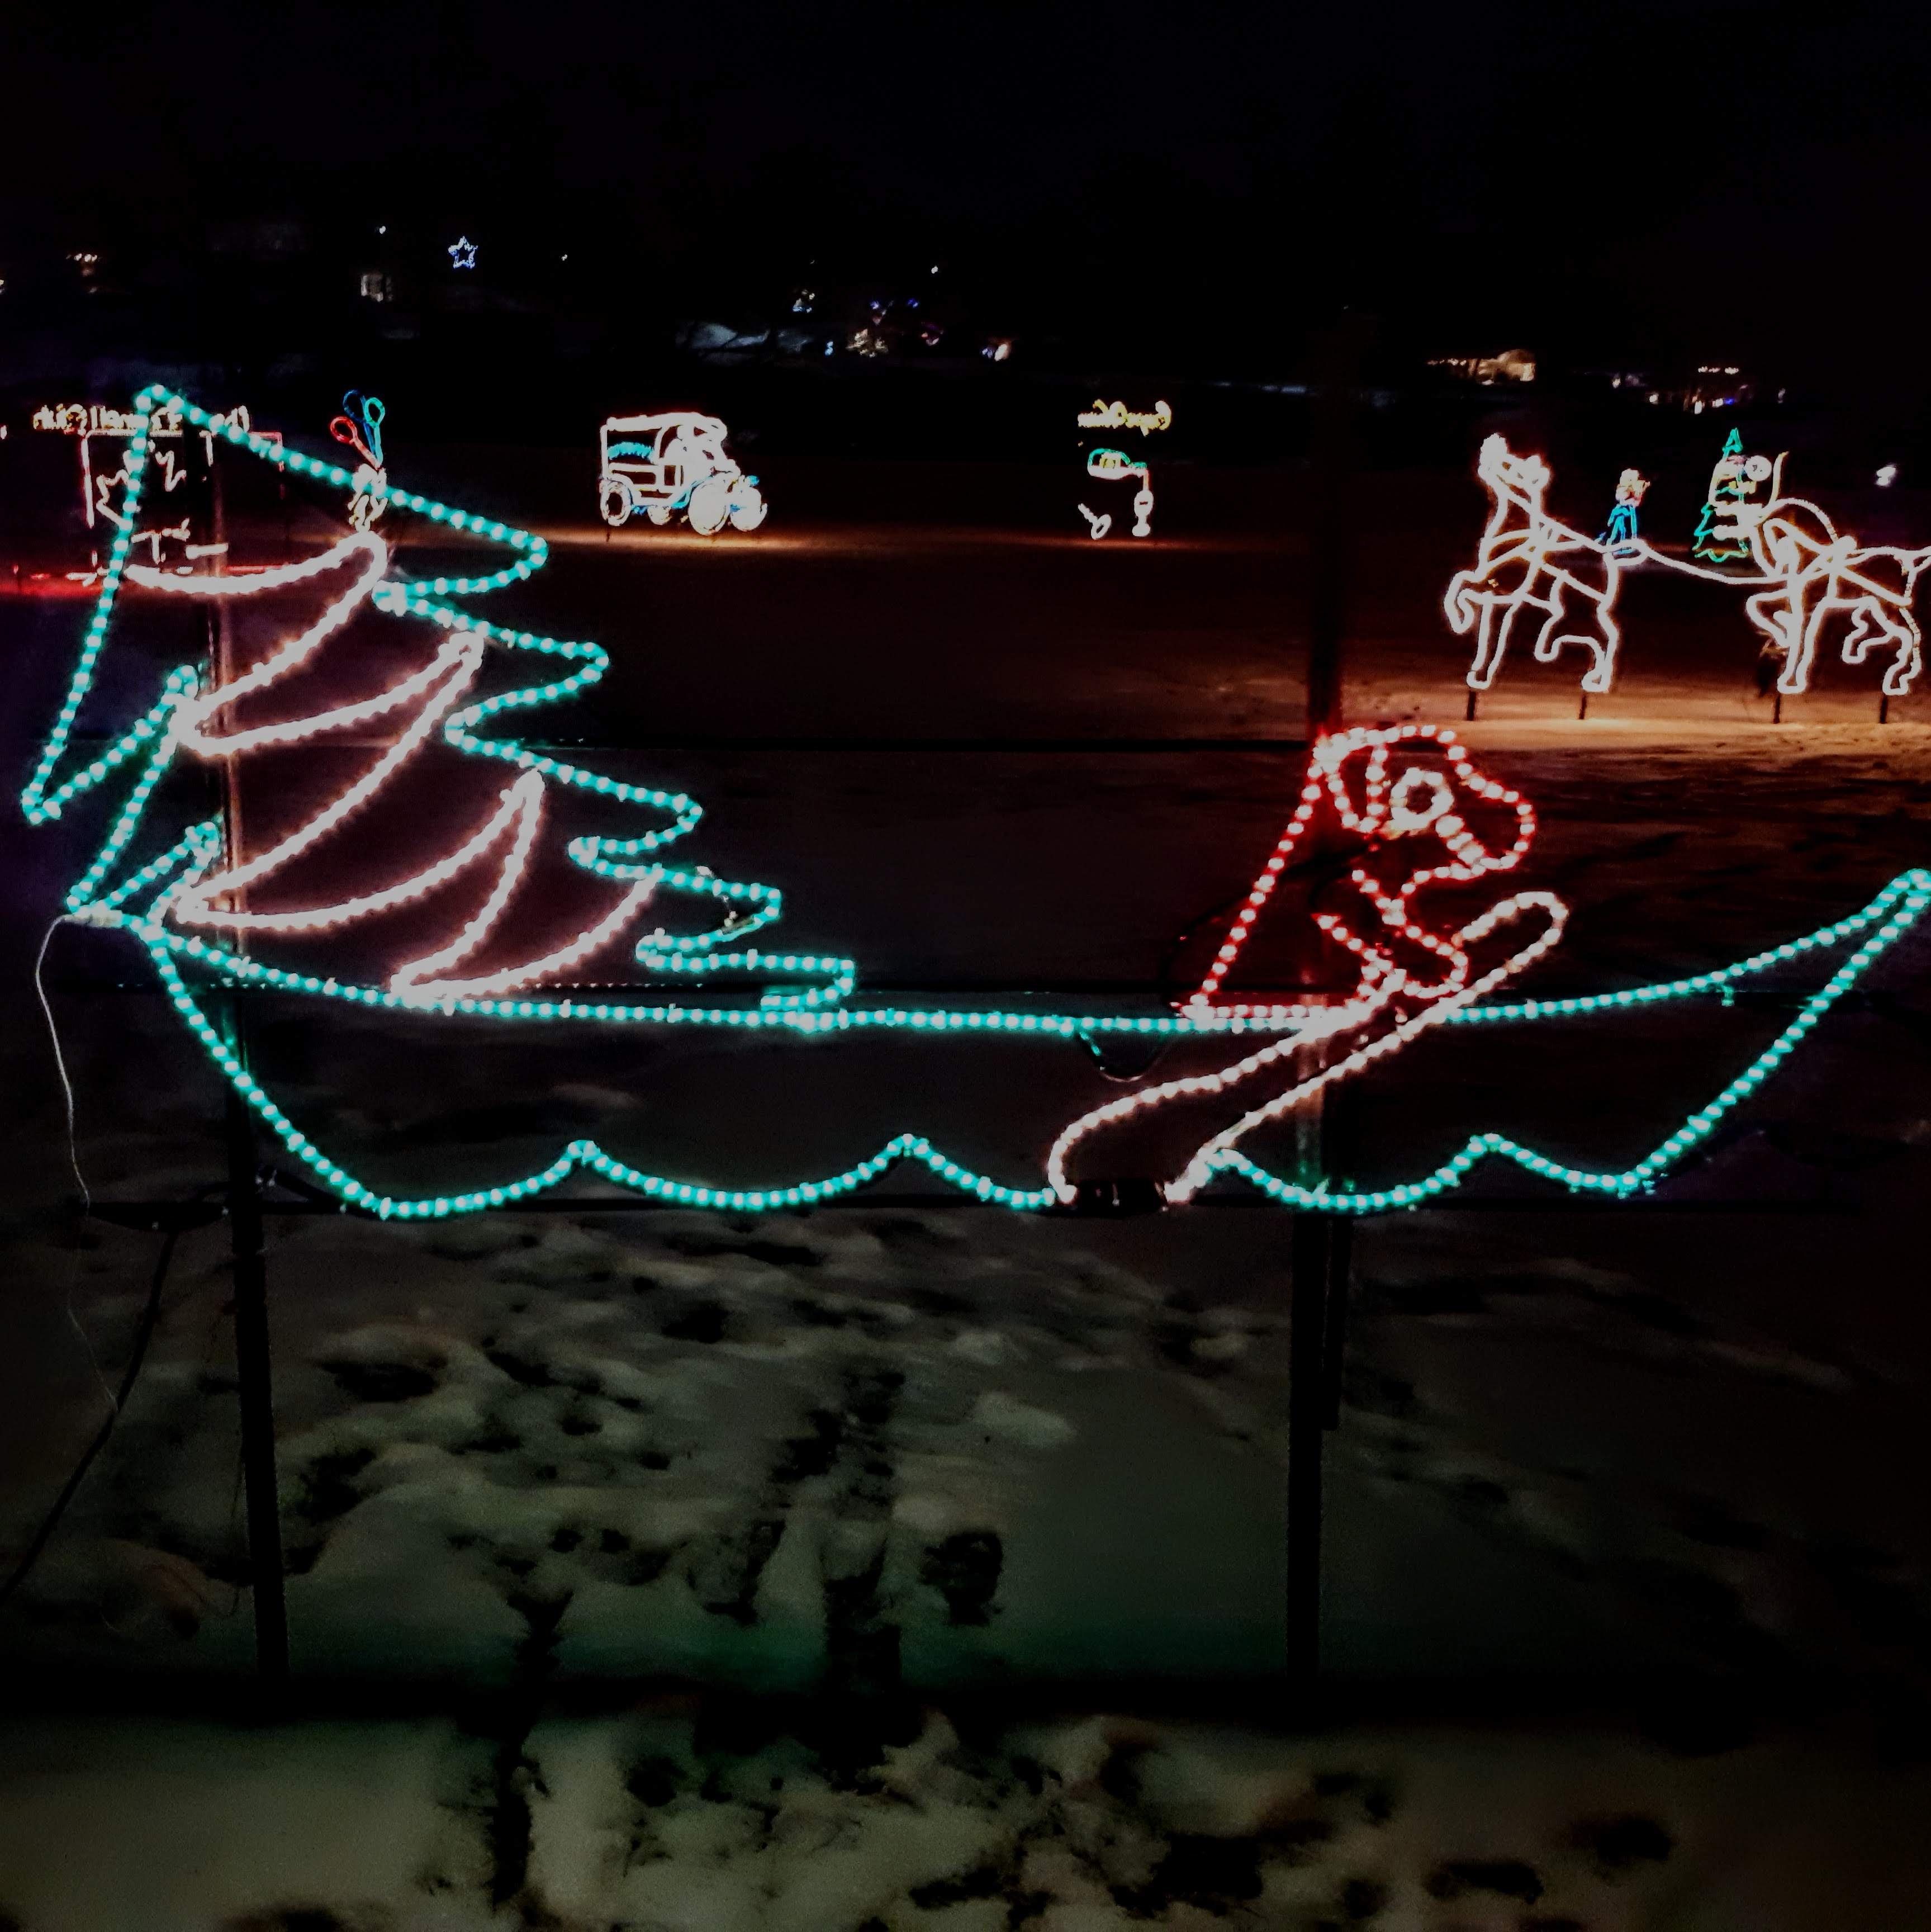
pixel 1117 415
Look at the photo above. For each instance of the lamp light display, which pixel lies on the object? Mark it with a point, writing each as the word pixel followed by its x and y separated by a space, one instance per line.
pixel 674 464
pixel 1405 794
pixel 1106 464
pixel 1806 578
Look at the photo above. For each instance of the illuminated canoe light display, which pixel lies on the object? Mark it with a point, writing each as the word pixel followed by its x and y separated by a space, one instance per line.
pixel 674 464
pixel 1420 815
pixel 1806 579
pixel 1106 464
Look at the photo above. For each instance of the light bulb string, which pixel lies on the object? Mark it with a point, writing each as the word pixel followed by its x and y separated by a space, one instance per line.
pixel 1905 898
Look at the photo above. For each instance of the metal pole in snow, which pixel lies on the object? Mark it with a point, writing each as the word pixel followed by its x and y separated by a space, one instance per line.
pixel 1310 1238
pixel 255 1387
pixel 1336 374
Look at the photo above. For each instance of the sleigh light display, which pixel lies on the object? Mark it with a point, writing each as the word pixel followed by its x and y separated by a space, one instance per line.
pixel 1425 828
pixel 674 464
pixel 1807 580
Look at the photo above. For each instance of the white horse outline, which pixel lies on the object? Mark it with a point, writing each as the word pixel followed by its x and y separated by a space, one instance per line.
pixel 1807 572
pixel 1815 573
pixel 1522 536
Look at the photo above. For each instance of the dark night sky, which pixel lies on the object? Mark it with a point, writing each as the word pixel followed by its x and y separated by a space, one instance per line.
pixel 1644 181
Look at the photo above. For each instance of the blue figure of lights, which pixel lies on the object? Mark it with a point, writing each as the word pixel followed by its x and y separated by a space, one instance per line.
pixel 1622 531
pixel 167 900
pixel 462 252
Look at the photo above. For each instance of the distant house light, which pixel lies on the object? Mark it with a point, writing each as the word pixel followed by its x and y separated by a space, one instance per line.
pixel 376 287
pixel 1511 365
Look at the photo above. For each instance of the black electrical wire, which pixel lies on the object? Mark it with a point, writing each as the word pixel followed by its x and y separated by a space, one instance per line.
pixel 143 1334
pixel 1325 869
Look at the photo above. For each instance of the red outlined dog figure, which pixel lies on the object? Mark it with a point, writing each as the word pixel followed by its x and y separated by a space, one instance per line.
pixel 1424 820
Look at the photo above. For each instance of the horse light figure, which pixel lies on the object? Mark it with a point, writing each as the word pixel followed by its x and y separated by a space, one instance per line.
pixel 1528 562
pixel 1816 574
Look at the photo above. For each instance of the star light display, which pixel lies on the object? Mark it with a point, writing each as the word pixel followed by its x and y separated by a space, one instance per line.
pixel 1806 578
pixel 462 252
pixel 1403 792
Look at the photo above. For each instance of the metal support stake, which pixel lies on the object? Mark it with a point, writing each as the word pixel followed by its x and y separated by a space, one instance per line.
pixel 255 1386
pixel 1469 713
pixel 1312 1236
pixel 1322 1258
pixel 1334 1327
pixel 256 1391
pixel 1337 359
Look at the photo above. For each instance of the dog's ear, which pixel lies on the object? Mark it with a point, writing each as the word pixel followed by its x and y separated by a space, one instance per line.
pixel 1500 822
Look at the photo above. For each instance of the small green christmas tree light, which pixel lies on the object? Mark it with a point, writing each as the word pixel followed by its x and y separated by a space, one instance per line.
pixel 1719 536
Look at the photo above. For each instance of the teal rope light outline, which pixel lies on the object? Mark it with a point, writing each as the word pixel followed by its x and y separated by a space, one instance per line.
pixel 1904 900
pixel 812 1011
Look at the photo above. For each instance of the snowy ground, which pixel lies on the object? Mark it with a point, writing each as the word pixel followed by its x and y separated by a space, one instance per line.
pixel 943 1455
pixel 676 1816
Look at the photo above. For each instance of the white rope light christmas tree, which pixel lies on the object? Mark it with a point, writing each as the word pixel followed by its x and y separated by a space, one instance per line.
pixel 172 901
